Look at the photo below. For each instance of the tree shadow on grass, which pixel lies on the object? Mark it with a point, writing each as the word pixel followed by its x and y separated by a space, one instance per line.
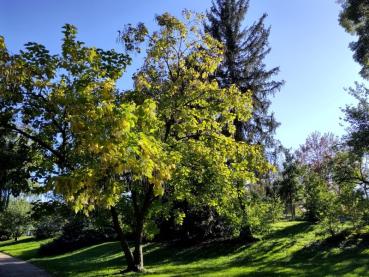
pixel 261 258
pixel 301 227
pixel 13 242
pixel 336 255
pixel 25 251
pixel 94 258
pixel 109 256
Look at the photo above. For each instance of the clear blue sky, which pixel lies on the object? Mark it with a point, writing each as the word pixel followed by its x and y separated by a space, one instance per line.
pixel 307 43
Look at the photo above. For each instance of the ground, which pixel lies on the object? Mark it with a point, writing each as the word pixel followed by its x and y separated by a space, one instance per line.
pixel 292 249
pixel 12 267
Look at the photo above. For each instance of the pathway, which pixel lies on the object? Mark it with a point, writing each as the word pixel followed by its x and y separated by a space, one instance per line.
pixel 12 267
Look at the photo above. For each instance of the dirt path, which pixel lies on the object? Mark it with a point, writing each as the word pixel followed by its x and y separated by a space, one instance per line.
pixel 12 267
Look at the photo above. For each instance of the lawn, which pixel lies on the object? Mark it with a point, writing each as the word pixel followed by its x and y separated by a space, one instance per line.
pixel 288 251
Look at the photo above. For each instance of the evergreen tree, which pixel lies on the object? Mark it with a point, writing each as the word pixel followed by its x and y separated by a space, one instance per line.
pixel 243 65
pixel 289 185
pixel 354 18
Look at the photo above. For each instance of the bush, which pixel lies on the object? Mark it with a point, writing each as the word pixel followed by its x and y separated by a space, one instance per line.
pixel 63 245
pixel 4 235
pixel 78 233
pixel 47 227
pixel 49 218
pixel 261 213
pixel 15 220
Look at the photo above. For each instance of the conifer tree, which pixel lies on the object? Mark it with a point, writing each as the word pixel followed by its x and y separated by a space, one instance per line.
pixel 243 65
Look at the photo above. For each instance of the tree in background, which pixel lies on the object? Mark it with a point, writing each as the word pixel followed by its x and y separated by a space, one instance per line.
pixel 357 116
pixel 354 18
pixel 15 166
pixel 317 150
pixel 15 150
pixel 289 186
pixel 243 65
pixel 16 220
pixel 315 157
pixel 350 173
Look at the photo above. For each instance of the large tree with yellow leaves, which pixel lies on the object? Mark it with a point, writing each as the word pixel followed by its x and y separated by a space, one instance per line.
pixel 172 135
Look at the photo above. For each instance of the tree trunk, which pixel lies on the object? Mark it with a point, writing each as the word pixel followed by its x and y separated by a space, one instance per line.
pixel 123 241
pixel 293 211
pixel 292 208
pixel 138 254
pixel 140 217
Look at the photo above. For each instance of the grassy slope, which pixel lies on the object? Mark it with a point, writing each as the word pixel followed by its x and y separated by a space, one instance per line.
pixel 285 253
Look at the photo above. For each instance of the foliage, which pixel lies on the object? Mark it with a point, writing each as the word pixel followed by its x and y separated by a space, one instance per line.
pixel 15 161
pixel 315 189
pixel 49 218
pixel 316 152
pixel 289 186
pixel 243 65
pixel 354 18
pixel 173 135
pixel 35 90
pixel 357 117
pixel 15 220
pixel 85 238
pixel 349 172
pixel 198 118
pixel 261 213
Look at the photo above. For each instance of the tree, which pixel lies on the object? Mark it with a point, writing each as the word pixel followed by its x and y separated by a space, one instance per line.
pixel 49 217
pixel 243 65
pixel 354 18
pixel 289 186
pixel 33 84
pixel 34 106
pixel 350 173
pixel 317 150
pixel 16 220
pixel 188 114
pixel 357 117
pixel 100 147
pixel 15 151
pixel 15 166
pixel 316 156
pixel 207 156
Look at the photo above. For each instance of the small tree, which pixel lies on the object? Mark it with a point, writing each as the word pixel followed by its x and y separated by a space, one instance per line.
pixel 262 213
pixel 16 219
pixel 289 186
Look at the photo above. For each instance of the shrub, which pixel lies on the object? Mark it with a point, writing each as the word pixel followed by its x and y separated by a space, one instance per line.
pixel 15 221
pixel 76 234
pixel 261 213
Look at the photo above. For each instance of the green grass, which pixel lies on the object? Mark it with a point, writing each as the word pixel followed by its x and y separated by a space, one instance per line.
pixel 288 251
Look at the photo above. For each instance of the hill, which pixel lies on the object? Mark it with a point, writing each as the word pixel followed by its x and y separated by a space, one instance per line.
pixel 292 249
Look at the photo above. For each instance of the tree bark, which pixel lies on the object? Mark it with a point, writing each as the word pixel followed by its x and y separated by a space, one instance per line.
pixel 123 241
pixel 138 253
pixel 140 216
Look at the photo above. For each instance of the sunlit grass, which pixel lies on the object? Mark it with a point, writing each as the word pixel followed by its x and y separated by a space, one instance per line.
pixel 287 251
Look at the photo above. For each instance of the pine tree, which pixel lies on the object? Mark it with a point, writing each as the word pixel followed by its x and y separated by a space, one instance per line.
pixel 354 19
pixel 243 65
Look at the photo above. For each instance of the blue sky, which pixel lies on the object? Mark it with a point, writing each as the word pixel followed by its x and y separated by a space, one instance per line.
pixel 307 43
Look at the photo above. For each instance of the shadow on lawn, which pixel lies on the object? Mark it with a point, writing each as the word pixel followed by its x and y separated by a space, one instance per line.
pixel 263 256
pixel 300 227
pixel 338 255
pixel 4 244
